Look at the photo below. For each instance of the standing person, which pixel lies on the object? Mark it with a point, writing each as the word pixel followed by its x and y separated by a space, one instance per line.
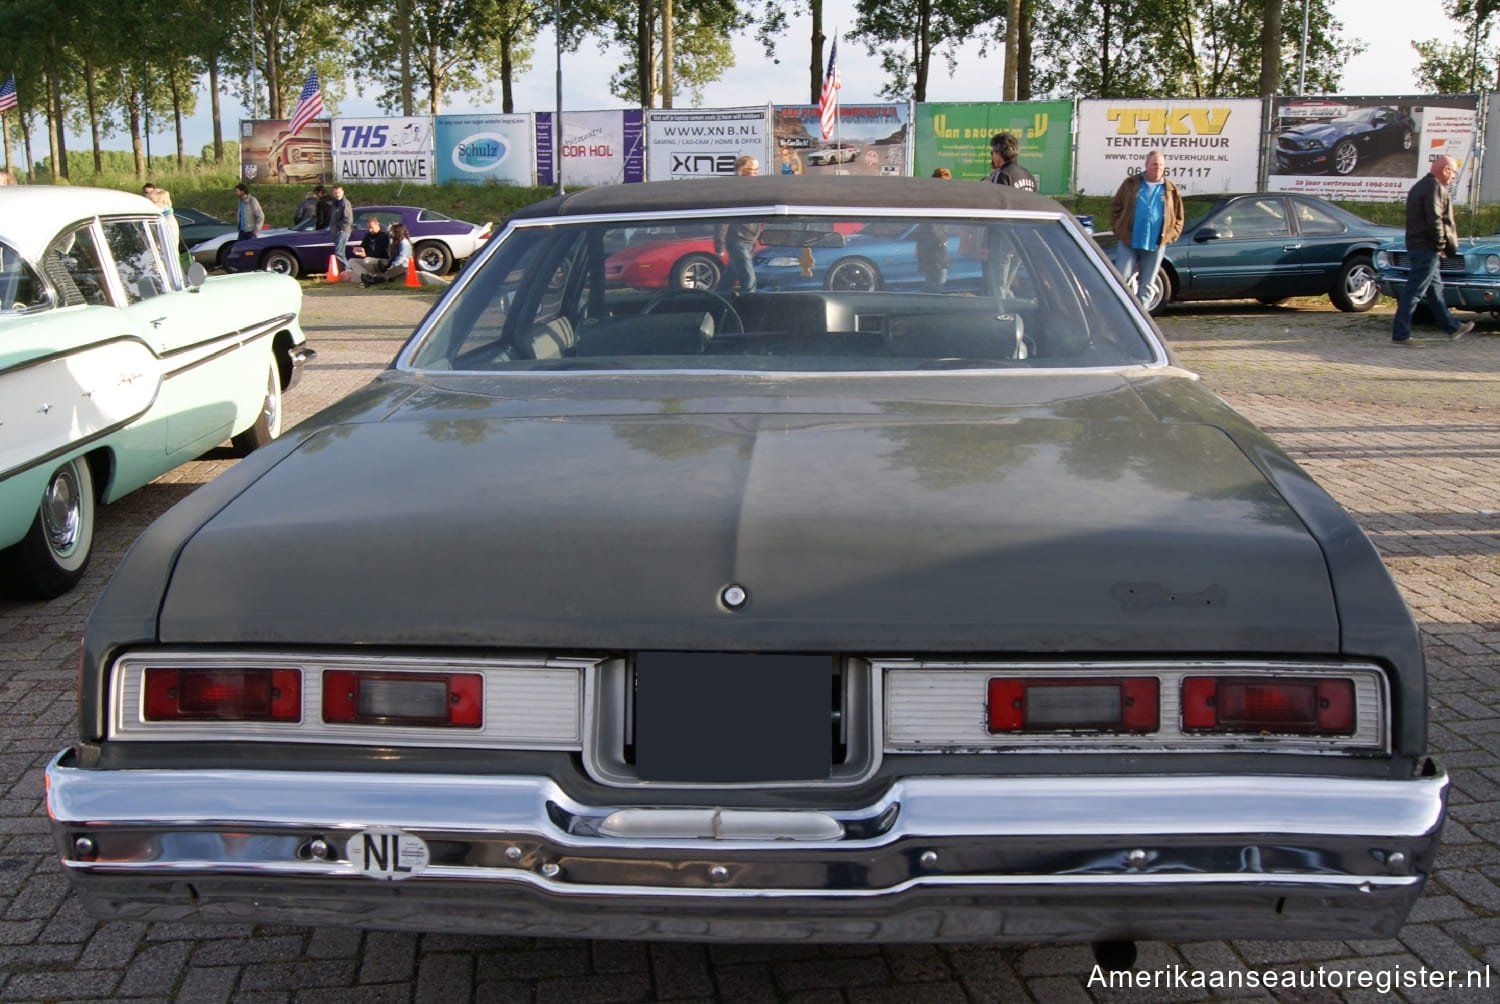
pixel 734 242
pixel 1146 215
pixel 400 255
pixel 1430 233
pixel 308 206
pixel 932 249
pixel 251 217
pixel 162 199
pixel 341 223
pixel 1005 148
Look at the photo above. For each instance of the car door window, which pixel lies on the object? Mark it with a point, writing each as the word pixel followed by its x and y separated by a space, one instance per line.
pixel 1253 218
pixel 1314 222
pixel 20 287
pixel 74 265
pixel 141 269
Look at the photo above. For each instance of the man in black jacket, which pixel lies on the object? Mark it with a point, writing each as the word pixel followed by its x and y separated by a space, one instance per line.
pixel 1005 148
pixel 1430 233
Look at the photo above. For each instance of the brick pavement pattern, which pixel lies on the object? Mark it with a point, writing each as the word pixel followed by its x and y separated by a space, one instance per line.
pixel 1410 445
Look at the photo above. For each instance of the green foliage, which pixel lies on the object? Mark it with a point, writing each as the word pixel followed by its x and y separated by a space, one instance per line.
pixel 907 33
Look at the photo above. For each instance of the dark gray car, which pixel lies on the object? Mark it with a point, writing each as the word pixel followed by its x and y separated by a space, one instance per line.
pixel 811 615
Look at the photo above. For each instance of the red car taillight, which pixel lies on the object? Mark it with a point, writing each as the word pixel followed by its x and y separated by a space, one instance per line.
pixel 245 695
pixel 1248 704
pixel 1062 704
pixel 451 700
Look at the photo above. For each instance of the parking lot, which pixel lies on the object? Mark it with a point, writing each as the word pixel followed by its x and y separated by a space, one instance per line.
pixel 1407 440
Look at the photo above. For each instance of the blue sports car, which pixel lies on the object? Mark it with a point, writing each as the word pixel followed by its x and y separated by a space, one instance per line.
pixel 1337 146
pixel 880 255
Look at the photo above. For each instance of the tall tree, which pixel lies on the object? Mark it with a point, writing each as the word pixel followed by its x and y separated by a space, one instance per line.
pixel 701 47
pixel 906 34
pixel 1460 66
pixel 771 24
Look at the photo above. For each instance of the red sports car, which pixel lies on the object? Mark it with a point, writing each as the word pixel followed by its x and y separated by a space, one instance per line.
pixel 676 262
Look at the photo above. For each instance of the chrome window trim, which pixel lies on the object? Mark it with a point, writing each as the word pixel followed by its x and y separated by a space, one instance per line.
pixel 403 359
pixel 564 684
pixel 962 684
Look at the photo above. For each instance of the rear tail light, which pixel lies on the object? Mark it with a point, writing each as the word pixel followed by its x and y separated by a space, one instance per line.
pixel 1249 704
pixel 1063 704
pixel 442 700
pixel 231 694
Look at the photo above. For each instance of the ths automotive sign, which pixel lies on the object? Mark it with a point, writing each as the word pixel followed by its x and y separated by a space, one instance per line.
pixel 397 149
pixel 690 143
pixel 472 149
pixel 1210 146
pixel 957 136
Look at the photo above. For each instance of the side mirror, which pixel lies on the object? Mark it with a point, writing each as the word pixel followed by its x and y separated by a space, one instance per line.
pixel 1206 234
pixel 196 276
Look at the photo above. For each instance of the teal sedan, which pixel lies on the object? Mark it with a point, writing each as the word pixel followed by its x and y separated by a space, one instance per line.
pixel 1471 278
pixel 116 367
pixel 1270 246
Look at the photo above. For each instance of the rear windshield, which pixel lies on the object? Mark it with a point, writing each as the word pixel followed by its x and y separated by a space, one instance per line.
pixel 788 293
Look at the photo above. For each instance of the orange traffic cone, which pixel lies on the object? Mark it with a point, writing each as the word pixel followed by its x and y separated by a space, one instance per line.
pixel 411 272
pixel 333 268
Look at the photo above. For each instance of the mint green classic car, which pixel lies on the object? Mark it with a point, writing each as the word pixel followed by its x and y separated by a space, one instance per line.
pixel 116 367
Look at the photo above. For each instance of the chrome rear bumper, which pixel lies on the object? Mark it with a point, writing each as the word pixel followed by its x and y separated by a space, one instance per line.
pixel 946 859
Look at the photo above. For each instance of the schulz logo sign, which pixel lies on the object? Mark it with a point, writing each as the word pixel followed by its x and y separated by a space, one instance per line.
pixel 480 152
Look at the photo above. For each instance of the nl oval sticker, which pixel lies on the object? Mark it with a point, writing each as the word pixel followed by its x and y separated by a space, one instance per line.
pixel 388 854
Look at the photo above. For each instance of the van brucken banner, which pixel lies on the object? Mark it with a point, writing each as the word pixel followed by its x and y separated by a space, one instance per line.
pixel 598 148
pixel 1368 149
pixel 390 149
pixel 1210 145
pixel 474 149
pixel 268 156
pixel 705 143
pixel 869 140
pixel 957 136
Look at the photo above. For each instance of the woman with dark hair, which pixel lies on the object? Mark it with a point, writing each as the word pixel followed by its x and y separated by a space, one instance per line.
pixel 400 255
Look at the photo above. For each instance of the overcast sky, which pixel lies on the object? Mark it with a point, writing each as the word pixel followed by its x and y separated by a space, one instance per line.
pixel 1386 68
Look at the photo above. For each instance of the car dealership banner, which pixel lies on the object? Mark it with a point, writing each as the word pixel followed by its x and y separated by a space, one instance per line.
pixel 1210 145
pixel 269 156
pixel 1368 149
pixel 472 149
pixel 705 143
pixel 389 149
pixel 598 148
pixel 866 139
pixel 957 136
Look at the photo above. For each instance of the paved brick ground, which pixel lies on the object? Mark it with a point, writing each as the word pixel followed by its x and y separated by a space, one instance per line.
pixel 1408 440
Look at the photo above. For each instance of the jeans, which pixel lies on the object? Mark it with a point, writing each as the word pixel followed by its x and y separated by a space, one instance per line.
pixel 935 277
pixel 1423 283
pixel 340 244
pixel 1144 263
pixel 738 267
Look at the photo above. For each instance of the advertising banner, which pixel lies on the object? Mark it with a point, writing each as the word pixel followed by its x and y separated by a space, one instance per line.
pixel 957 136
pixel 1368 149
pixel 474 149
pixel 705 143
pixel 867 139
pixel 1210 145
pixel 390 149
pixel 598 148
pixel 268 156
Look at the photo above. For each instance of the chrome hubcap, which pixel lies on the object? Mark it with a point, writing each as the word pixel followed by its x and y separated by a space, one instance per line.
pixel 62 512
pixel 271 410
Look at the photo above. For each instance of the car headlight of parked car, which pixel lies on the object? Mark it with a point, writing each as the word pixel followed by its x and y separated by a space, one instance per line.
pixel 1382 259
pixel 1492 263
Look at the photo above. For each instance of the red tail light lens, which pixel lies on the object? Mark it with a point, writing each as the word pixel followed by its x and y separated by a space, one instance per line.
pixel 1063 704
pixel 1272 704
pixel 443 700
pixel 208 695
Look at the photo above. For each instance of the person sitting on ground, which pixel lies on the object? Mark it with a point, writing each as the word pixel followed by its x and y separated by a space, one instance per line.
pixel 371 256
pixel 400 255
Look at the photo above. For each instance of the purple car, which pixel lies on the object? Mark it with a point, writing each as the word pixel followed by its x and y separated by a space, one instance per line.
pixel 438 240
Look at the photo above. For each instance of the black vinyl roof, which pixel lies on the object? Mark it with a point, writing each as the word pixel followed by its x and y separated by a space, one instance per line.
pixel 790 190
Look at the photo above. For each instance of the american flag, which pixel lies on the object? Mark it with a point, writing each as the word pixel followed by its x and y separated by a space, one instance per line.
pixel 309 105
pixel 8 94
pixel 828 101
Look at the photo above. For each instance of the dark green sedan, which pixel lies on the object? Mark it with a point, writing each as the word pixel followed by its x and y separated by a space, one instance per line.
pixel 617 611
pixel 1271 246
